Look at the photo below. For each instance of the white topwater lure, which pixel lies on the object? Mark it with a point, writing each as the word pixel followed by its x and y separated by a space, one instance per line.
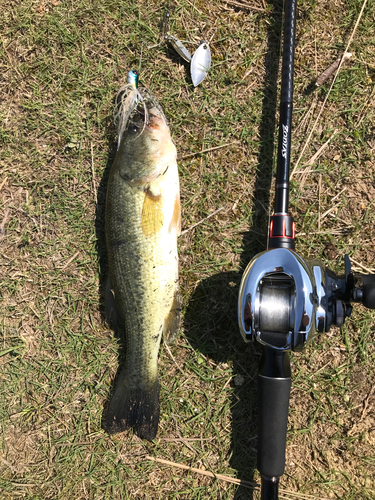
pixel 128 100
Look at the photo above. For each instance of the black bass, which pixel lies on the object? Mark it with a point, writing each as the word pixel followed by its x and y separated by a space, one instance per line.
pixel 142 222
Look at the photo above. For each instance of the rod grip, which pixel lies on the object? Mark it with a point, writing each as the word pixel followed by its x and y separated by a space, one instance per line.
pixel 273 398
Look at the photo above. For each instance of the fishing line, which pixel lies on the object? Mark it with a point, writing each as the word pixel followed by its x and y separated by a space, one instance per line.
pixel 140 58
pixel 165 26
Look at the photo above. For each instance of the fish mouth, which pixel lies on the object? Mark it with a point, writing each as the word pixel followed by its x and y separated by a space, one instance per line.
pixel 156 119
pixel 138 110
pixel 150 117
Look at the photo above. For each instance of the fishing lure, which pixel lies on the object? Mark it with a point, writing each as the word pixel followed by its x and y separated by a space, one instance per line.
pixel 127 100
pixel 200 63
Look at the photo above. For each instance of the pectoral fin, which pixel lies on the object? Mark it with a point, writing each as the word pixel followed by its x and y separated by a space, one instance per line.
pixel 172 321
pixel 152 213
pixel 176 217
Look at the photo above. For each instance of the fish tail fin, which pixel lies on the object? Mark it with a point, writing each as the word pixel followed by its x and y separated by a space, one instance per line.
pixel 134 407
pixel 173 319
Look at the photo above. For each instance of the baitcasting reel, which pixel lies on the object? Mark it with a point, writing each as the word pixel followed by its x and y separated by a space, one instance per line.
pixel 285 300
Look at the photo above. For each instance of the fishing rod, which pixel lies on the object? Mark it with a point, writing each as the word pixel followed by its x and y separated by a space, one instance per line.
pixel 284 299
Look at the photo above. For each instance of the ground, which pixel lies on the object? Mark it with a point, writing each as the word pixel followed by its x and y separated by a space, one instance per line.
pixel 62 63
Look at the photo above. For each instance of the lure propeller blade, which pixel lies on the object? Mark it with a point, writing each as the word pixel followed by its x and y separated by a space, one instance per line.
pixel 200 63
pixel 179 47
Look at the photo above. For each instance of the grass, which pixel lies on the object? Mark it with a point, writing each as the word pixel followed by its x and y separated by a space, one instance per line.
pixel 62 63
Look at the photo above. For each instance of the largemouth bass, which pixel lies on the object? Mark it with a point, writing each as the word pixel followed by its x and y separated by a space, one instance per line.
pixel 142 223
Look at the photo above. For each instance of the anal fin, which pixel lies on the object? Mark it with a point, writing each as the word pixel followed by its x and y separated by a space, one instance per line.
pixel 173 319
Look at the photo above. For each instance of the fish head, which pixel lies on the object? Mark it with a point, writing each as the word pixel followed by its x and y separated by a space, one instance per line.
pixel 146 146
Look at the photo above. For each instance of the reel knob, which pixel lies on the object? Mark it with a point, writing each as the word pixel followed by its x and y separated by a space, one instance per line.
pixel 368 291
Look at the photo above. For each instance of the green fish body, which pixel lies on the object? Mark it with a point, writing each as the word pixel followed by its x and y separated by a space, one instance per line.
pixel 142 223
